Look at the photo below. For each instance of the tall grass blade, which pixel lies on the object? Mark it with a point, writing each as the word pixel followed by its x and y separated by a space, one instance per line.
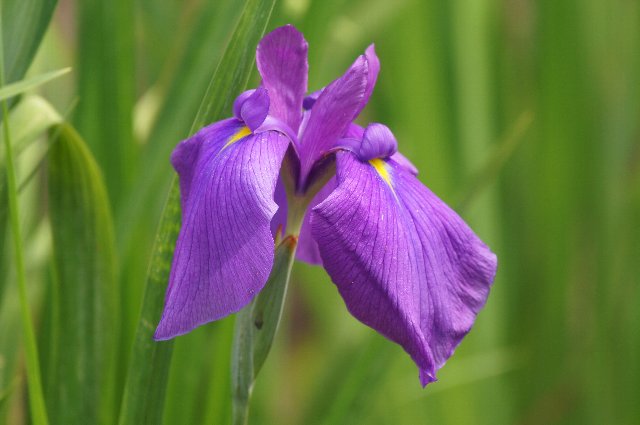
pixel 147 378
pixel 106 87
pixel 24 23
pixel 36 399
pixel 81 390
pixel 22 86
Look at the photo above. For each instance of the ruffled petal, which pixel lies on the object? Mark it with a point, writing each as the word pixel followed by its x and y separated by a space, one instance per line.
pixel 404 262
pixel 225 249
pixel 281 58
pixel 333 111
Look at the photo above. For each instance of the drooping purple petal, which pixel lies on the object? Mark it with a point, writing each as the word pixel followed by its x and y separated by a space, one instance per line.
pixel 404 162
pixel 185 156
pixel 404 262
pixel 281 58
pixel 332 113
pixel 225 249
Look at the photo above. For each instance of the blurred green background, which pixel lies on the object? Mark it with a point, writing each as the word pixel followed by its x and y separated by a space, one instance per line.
pixel 523 115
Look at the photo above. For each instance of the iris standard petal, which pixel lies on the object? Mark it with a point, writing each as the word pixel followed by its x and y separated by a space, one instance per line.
pixel 372 75
pixel 377 142
pixel 255 108
pixel 333 111
pixel 225 249
pixel 281 58
pixel 404 262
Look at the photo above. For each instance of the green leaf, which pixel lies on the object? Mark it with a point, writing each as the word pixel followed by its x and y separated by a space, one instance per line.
pixel 22 86
pixel 256 326
pixel 28 120
pixel 106 87
pixel 24 23
pixel 81 390
pixel 143 399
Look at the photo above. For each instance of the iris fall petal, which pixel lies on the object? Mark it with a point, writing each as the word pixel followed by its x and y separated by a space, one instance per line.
pixel 404 262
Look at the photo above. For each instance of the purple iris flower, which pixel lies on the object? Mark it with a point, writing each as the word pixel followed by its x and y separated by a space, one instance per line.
pixel 404 262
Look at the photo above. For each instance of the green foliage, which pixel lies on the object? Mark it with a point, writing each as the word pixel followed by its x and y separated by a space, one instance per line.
pixel 80 389
pixel 23 23
pixel 256 327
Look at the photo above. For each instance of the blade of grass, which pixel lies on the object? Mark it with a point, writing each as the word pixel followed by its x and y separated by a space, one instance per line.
pixel 22 86
pixel 106 87
pixel 24 23
pixel 84 258
pixel 36 399
pixel 497 160
pixel 148 371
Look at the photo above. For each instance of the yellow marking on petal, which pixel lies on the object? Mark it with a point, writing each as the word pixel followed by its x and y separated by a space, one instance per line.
pixel 381 167
pixel 244 131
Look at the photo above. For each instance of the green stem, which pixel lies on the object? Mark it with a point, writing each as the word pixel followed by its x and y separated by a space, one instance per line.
pixel 256 327
pixel 36 399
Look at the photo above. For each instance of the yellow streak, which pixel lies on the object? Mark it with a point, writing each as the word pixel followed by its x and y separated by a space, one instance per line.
pixel 244 131
pixel 381 167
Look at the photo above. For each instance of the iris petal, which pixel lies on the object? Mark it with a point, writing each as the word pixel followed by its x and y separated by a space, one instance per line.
pixel 333 111
pixel 224 252
pixel 403 261
pixel 281 58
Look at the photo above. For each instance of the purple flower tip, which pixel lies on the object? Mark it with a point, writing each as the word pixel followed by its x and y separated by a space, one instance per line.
pixel 377 142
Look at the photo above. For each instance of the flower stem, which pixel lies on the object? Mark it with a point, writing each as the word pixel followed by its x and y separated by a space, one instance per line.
pixel 36 399
pixel 256 327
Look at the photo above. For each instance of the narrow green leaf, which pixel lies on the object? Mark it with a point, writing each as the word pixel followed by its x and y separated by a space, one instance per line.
pixel 147 378
pixel 81 390
pixel 24 23
pixel 497 160
pixel 256 326
pixel 148 373
pixel 106 87
pixel 36 399
pixel 29 119
pixel 10 345
pixel 22 86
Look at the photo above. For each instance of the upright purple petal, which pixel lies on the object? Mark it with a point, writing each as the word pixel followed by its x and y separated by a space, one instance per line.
pixel 255 108
pixel 225 249
pixel 404 262
pixel 281 58
pixel 377 142
pixel 372 75
pixel 333 111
